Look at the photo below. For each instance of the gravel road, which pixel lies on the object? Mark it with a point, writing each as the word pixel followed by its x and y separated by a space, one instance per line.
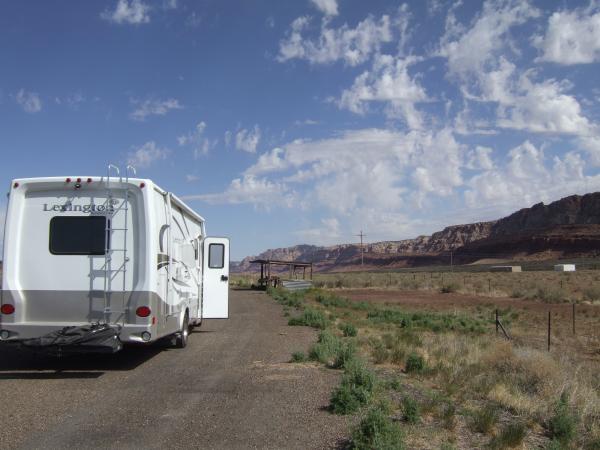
pixel 232 387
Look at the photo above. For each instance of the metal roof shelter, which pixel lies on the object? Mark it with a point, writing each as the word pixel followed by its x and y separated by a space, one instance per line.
pixel 268 279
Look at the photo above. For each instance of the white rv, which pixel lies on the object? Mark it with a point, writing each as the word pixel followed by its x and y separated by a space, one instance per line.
pixel 112 250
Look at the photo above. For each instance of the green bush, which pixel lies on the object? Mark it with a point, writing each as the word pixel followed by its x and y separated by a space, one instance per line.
pixel 410 410
pixel 330 300
pixel 348 329
pixel 436 322
pixel 298 357
pixel 377 431
pixel 415 363
pixel 563 423
pixel 346 352
pixel 310 318
pixel 355 390
pixel 327 347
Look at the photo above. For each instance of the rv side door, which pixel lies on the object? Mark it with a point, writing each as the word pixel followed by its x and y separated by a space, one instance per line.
pixel 215 274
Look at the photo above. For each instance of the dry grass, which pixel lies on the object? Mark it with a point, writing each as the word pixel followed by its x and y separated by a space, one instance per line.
pixel 465 375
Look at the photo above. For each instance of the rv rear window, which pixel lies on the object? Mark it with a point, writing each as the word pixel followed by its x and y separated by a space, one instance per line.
pixel 78 235
pixel 216 256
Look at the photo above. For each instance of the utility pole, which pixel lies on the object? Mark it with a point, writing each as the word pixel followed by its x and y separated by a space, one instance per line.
pixel 362 251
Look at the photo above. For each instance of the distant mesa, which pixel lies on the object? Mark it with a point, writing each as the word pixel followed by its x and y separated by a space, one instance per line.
pixel 567 228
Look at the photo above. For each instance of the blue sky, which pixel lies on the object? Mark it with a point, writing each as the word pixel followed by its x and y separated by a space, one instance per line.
pixel 307 121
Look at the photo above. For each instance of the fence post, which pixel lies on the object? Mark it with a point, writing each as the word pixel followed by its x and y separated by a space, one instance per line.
pixel 549 321
pixel 497 321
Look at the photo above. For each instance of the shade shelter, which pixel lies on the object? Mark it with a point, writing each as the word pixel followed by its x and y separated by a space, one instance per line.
pixel 270 276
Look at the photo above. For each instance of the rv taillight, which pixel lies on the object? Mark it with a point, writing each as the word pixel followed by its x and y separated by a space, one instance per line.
pixel 142 185
pixel 7 309
pixel 143 311
pixel 16 185
pixel 68 180
pixel 89 180
pixel 79 180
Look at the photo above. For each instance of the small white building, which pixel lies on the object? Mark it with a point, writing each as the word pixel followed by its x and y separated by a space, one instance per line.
pixel 564 268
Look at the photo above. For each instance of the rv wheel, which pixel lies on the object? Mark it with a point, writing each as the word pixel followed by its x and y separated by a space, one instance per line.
pixel 182 336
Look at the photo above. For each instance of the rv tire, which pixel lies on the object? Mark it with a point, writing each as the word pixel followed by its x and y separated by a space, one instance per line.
pixel 182 337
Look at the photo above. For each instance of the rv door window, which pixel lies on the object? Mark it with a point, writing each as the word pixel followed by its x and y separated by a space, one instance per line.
pixel 216 256
pixel 78 235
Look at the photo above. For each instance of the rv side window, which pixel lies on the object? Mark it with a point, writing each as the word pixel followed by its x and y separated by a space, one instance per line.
pixel 216 256
pixel 78 235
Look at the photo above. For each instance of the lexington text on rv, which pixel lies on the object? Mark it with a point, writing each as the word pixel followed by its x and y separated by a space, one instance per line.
pixel 120 252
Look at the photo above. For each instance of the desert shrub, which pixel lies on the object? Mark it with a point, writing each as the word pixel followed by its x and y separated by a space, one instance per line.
pixel 512 435
pixel 415 363
pixel 345 353
pixel 395 384
pixel 361 306
pixel 310 318
pixel 348 329
pixel 410 410
pixel 355 389
pixel 377 431
pixel 326 348
pixel 286 298
pixel 550 295
pixel 449 416
pixel 378 351
pixel 436 322
pixel 298 357
pixel 330 300
pixel 484 419
pixel 330 350
pixel 592 294
pixel 449 288
pixel 563 423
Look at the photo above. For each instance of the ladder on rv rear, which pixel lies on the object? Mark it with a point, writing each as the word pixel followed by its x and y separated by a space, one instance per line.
pixel 109 249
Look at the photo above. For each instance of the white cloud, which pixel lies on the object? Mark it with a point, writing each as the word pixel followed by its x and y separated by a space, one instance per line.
pixel 352 45
pixel 544 107
pixel 200 144
pixel 147 154
pixel 247 139
pixel 481 158
pixel 328 232
pixel 528 177
pixel 470 51
pixel 478 58
pixel 387 82
pixel 372 167
pixel 260 192
pixel 29 101
pixel 153 107
pixel 327 7
pixel 572 37
pixel 133 12
pixel 191 178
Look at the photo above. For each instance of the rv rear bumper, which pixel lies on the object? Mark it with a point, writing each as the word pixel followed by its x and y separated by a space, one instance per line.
pixel 16 332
